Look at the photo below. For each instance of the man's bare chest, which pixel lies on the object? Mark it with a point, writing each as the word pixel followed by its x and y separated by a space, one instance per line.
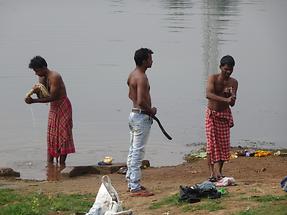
pixel 221 86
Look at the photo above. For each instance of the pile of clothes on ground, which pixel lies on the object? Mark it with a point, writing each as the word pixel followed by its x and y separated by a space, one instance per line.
pixel 250 153
pixel 194 193
pixel 206 189
pixel 195 155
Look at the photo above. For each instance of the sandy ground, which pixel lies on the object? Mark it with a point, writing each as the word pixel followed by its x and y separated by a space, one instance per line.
pixel 254 177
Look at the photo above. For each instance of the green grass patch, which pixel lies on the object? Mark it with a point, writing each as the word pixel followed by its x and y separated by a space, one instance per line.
pixel 268 198
pixel 276 209
pixel 171 200
pixel 210 205
pixel 6 196
pixel 12 202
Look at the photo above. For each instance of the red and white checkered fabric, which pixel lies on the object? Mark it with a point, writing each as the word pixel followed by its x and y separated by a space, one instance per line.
pixel 60 124
pixel 217 128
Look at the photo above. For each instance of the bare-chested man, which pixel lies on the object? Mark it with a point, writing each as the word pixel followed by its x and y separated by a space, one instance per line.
pixel 59 135
pixel 139 120
pixel 221 94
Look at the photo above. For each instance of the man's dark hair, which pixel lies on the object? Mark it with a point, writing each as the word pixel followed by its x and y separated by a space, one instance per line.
pixel 38 62
pixel 227 60
pixel 141 55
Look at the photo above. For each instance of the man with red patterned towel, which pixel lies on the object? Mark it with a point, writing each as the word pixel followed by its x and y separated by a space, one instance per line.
pixel 221 94
pixel 59 135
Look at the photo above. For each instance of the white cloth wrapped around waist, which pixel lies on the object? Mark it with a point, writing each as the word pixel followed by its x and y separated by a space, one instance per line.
pixel 40 90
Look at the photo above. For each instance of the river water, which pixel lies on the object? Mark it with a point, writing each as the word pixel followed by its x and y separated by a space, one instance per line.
pixel 92 43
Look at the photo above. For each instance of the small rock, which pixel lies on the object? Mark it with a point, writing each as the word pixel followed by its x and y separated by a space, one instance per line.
pixel 263 169
pixel 8 172
pixel 145 164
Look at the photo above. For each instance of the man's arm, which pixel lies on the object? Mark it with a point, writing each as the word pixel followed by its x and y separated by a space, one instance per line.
pixel 142 92
pixel 210 89
pixel 234 92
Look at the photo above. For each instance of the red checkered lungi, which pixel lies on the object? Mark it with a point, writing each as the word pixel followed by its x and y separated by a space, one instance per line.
pixel 217 127
pixel 60 124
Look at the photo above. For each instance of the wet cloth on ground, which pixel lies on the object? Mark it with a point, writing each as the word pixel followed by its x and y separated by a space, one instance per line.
pixel 194 193
pixel 217 126
pixel 60 124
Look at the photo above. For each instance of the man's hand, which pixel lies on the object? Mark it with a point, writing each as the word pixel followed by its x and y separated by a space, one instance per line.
pixel 153 111
pixel 29 100
pixel 227 92
pixel 35 87
pixel 231 100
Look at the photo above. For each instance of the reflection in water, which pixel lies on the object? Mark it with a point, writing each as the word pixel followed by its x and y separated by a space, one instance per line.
pixel 216 16
pixel 178 4
pixel 117 5
pixel 53 172
pixel 179 12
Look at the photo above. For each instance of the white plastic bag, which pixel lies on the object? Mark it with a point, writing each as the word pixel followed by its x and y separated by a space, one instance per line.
pixel 107 201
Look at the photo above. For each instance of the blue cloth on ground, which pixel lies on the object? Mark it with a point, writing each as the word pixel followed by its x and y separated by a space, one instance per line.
pixel 206 186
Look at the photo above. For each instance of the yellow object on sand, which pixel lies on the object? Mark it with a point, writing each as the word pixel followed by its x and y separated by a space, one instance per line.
pixel 108 160
pixel 261 153
pixel 40 90
pixel 233 156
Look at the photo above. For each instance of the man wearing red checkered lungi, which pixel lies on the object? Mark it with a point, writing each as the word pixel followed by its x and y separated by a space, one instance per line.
pixel 221 94
pixel 59 135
